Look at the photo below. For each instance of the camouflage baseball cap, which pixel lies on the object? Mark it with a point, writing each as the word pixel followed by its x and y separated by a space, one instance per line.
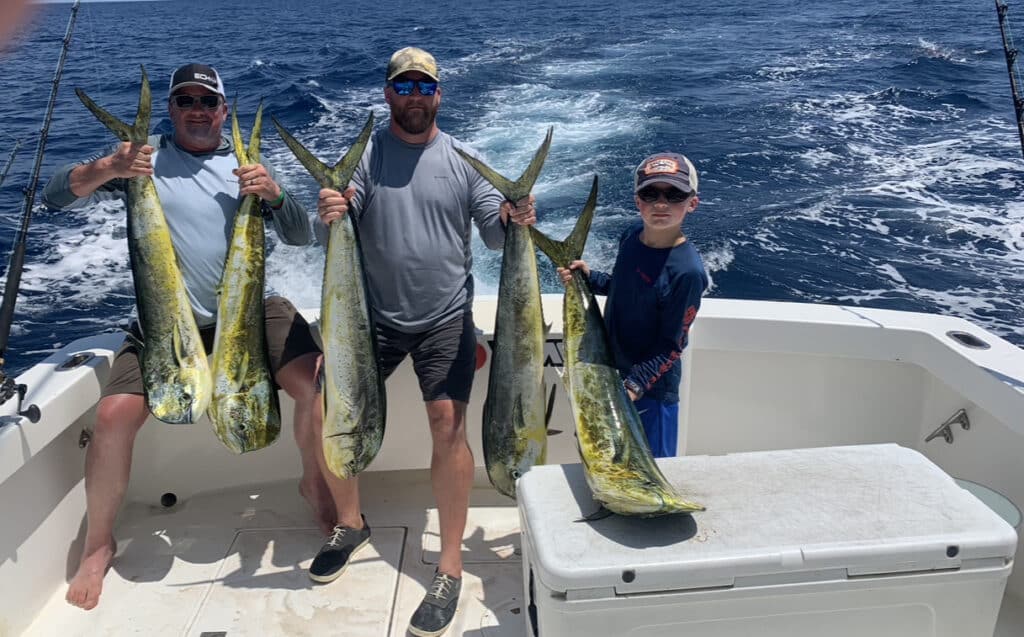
pixel 412 59
pixel 666 168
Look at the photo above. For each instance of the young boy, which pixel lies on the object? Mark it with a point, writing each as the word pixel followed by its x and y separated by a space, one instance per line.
pixel 654 293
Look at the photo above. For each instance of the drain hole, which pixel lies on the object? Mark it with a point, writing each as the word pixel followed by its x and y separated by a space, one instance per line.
pixel 168 500
pixel 968 340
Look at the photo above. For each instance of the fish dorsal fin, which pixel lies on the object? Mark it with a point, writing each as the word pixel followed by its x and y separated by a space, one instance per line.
pixel 562 253
pixel 138 133
pixel 513 190
pixel 338 176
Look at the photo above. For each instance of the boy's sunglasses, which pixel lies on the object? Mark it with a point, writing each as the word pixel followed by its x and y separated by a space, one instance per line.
pixel 208 102
pixel 404 87
pixel 650 194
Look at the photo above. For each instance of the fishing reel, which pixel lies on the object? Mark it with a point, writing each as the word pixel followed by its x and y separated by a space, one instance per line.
pixel 8 388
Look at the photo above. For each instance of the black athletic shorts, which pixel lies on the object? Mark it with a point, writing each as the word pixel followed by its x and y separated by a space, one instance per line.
pixel 444 357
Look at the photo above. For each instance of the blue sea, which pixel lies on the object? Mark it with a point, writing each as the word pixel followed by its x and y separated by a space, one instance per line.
pixel 852 152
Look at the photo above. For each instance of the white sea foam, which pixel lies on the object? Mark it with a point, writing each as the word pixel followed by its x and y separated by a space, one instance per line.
pixel 78 267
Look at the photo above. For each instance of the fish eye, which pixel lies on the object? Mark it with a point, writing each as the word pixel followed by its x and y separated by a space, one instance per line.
pixel 186 396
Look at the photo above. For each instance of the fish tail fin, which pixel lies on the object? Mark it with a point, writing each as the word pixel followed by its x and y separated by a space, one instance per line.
pixel 513 190
pixel 338 176
pixel 253 150
pixel 562 253
pixel 137 133
pixel 236 137
pixel 246 154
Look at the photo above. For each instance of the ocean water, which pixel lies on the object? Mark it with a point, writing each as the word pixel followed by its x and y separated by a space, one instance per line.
pixel 860 153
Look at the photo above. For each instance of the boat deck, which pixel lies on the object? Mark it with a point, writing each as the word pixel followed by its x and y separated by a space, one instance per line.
pixel 234 562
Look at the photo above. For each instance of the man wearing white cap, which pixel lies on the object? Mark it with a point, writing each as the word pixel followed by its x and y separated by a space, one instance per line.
pixel 200 186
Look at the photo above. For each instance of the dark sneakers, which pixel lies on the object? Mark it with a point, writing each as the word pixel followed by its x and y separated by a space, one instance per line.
pixel 437 609
pixel 335 554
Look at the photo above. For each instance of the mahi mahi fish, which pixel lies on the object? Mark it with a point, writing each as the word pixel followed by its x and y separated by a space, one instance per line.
pixel 175 373
pixel 514 423
pixel 617 460
pixel 244 410
pixel 353 387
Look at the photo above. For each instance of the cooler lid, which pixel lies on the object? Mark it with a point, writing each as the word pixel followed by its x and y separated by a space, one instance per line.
pixel 772 517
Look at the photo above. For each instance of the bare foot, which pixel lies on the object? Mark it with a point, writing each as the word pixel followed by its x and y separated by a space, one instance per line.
pixel 319 498
pixel 85 587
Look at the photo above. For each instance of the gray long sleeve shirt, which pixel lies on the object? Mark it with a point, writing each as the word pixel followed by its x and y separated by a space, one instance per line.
pixel 415 206
pixel 199 196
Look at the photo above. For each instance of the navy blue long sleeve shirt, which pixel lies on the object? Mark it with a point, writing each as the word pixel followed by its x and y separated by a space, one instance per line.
pixel 653 297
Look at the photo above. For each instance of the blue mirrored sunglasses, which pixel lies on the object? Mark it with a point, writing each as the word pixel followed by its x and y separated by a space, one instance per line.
pixel 404 87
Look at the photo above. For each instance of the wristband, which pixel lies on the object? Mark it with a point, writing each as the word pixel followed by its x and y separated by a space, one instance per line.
pixel 637 390
pixel 277 203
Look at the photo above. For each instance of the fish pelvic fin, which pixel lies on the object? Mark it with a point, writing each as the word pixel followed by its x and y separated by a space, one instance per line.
pixel 338 176
pixel 562 253
pixel 246 154
pixel 137 133
pixel 513 190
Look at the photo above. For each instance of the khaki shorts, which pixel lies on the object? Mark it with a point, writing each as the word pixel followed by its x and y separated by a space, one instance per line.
pixel 288 338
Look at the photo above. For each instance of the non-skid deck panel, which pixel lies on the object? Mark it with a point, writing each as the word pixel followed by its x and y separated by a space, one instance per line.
pixel 492 535
pixel 263 588
pixel 234 562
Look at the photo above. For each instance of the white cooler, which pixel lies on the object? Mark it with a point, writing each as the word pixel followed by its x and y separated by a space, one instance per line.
pixel 842 541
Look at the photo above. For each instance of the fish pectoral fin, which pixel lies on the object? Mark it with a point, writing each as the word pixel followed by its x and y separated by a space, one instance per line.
pixel 600 514
pixel 241 370
pixel 550 409
pixel 179 355
pixel 517 414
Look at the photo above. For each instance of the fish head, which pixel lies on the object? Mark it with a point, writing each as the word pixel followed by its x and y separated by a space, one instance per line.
pixel 181 398
pixel 504 474
pixel 240 420
pixel 504 477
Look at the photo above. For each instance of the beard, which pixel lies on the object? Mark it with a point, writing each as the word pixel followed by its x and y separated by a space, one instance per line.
pixel 415 121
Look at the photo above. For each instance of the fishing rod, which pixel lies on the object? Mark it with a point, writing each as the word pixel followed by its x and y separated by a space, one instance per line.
pixel 1011 67
pixel 8 387
pixel 10 160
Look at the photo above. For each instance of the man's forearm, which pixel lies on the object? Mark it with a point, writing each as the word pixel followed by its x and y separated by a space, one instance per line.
pixel 86 178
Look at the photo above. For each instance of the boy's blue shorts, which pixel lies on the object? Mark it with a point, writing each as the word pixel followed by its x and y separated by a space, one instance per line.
pixel 661 424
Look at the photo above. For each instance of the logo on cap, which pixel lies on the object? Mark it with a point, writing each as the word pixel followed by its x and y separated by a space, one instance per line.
pixel 661 166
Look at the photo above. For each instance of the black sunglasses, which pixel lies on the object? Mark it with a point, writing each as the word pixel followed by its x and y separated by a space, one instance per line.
pixel 208 102
pixel 404 87
pixel 650 194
